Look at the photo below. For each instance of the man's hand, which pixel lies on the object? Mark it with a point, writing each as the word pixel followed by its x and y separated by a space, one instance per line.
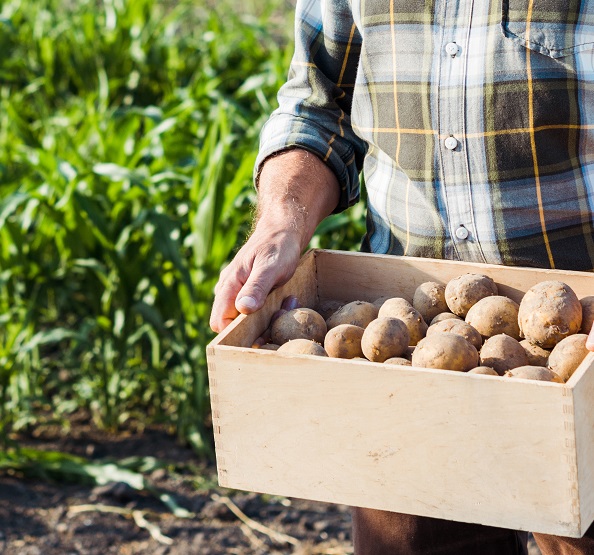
pixel 296 192
pixel 267 260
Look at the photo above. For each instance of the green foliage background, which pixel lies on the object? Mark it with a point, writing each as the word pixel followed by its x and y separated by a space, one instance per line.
pixel 128 134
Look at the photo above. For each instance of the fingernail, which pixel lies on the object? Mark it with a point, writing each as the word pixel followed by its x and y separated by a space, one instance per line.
pixel 246 302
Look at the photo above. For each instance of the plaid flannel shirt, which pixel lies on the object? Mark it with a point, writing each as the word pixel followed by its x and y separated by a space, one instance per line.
pixel 472 122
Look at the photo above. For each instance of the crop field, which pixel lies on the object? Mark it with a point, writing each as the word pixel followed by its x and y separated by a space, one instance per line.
pixel 128 134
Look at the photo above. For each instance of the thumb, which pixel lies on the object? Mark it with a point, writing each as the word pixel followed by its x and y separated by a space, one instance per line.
pixel 252 295
pixel 263 278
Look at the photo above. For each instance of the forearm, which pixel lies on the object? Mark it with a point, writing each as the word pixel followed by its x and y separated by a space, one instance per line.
pixel 296 191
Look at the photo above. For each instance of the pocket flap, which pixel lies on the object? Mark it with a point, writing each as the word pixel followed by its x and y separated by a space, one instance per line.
pixel 555 28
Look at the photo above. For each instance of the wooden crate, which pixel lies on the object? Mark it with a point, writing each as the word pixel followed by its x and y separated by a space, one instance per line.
pixel 512 453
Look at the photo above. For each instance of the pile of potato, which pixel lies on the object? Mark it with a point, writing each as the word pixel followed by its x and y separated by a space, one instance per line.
pixel 464 325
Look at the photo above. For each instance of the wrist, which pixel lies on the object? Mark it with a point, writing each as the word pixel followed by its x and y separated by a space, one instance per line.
pixel 278 230
pixel 296 191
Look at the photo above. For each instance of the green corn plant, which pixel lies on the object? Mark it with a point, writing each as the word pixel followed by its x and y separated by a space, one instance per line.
pixel 128 134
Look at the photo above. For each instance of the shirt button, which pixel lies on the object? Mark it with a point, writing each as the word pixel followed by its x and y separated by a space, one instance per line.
pixel 461 232
pixel 451 143
pixel 452 49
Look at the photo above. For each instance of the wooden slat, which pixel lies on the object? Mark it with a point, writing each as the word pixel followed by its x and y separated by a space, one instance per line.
pixel 367 277
pixel 583 393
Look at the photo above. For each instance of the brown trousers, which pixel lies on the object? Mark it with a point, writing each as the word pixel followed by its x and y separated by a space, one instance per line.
pixel 385 533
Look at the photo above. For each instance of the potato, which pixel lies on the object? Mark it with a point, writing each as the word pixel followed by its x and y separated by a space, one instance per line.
pixel 302 347
pixel 567 355
pixel 409 352
pixel 394 305
pixel 466 290
pixel 398 360
pixel 485 370
pixel 494 315
pixel 459 327
pixel 587 314
pixel 402 309
pixel 429 300
pixel 537 356
pixel 534 373
pixel 549 312
pixel 502 352
pixel 299 323
pixel 447 351
pixel 444 316
pixel 344 341
pixel 385 338
pixel 356 313
pixel 328 307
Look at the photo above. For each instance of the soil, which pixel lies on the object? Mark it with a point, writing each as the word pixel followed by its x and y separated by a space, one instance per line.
pixel 43 517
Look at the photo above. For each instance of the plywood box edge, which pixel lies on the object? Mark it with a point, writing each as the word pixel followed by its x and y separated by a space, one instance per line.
pixel 444 261
pixel 583 395
pixel 216 416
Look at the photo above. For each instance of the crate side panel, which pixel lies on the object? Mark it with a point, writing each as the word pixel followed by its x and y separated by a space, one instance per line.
pixel 461 447
pixel 583 393
pixel 352 276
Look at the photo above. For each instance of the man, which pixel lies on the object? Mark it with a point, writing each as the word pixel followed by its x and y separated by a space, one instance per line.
pixel 473 124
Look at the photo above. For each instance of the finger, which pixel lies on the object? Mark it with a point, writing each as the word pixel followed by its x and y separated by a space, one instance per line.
pixel 219 325
pixel 223 308
pixel 225 275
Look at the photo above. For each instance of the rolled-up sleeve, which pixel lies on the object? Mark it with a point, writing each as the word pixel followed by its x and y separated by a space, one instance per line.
pixel 314 110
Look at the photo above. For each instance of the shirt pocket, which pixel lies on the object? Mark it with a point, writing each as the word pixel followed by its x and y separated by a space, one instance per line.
pixel 557 28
